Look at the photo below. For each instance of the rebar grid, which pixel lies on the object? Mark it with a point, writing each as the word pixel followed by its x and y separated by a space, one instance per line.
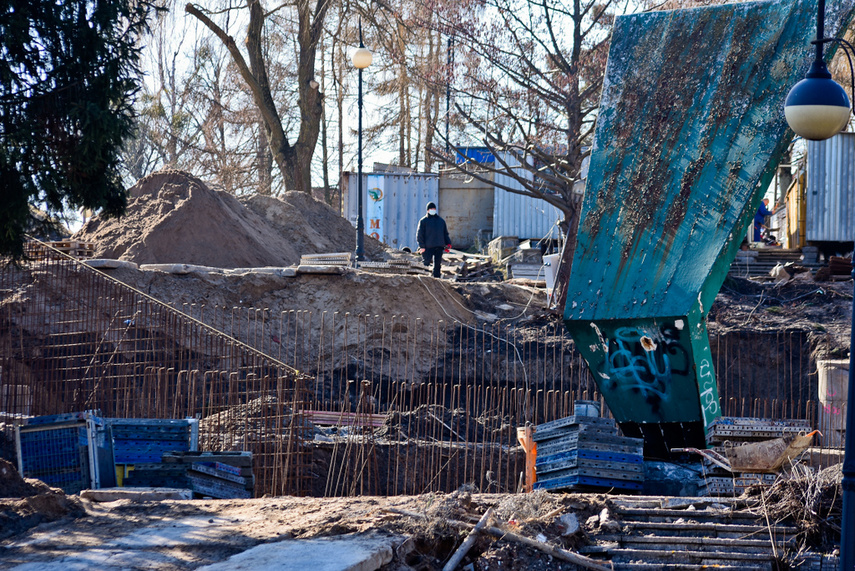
pixel 71 339
pixel 418 406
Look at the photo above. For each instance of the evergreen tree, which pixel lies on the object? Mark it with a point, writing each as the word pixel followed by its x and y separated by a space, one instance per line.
pixel 68 75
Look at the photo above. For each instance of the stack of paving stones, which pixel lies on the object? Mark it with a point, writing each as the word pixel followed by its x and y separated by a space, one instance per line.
pixel 223 475
pixel 729 431
pixel 587 453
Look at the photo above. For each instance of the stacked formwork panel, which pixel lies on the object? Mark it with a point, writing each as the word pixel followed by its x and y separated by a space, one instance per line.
pixel 587 452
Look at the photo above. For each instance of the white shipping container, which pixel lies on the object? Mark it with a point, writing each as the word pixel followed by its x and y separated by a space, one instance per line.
pixel 394 201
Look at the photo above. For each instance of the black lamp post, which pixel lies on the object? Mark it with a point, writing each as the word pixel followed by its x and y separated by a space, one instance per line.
pixel 817 108
pixel 361 59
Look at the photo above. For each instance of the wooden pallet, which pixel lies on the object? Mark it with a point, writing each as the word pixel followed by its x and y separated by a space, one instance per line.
pixel 48 250
pixel 335 259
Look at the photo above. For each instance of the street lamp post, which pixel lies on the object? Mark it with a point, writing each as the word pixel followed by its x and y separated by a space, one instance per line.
pixel 361 59
pixel 817 108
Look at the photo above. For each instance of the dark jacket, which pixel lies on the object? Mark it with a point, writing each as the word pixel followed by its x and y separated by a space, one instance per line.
pixel 432 232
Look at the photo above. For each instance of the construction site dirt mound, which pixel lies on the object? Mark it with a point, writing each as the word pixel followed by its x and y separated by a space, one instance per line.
pixel 174 217
pixel 311 226
pixel 25 503
pixel 12 485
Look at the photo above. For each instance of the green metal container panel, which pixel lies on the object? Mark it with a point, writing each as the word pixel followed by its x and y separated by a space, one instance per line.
pixel 690 129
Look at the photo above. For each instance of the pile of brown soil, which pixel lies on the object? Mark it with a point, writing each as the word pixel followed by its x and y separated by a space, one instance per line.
pixel 173 217
pixel 25 503
pixel 311 226
pixel 12 485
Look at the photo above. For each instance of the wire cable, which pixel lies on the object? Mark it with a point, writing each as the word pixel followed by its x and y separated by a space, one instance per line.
pixel 516 350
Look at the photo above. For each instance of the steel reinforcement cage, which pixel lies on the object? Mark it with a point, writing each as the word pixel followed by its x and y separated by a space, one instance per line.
pixel 111 348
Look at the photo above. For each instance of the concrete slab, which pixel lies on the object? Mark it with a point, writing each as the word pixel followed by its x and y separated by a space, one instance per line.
pixel 107 264
pixel 102 560
pixel 340 553
pixel 180 269
pixel 137 494
pixel 182 532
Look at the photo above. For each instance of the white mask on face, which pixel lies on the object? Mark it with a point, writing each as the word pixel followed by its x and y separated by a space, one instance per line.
pixel 432 211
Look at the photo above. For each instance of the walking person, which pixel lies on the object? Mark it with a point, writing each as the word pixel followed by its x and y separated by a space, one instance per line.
pixel 433 239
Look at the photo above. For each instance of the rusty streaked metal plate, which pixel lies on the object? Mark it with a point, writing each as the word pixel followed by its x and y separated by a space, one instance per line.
pixel 691 127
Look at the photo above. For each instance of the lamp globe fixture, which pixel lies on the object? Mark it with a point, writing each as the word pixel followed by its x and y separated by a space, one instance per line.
pixel 817 107
pixel 361 58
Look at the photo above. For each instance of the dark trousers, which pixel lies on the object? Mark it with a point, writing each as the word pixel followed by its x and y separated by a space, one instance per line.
pixel 434 254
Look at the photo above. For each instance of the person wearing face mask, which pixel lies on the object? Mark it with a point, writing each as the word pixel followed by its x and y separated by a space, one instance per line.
pixel 433 239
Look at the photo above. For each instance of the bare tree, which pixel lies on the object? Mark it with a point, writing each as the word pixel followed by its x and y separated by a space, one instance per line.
pixel 405 78
pixel 293 159
pixel 192 112
pixel 527 86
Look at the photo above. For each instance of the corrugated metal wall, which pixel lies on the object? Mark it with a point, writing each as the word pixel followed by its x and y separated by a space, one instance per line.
pixel 405 197
pixel 831 189
pixel 522 216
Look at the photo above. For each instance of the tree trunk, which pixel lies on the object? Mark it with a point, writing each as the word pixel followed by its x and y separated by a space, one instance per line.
pixel 325 156
pixel 294 162
pixel 571 223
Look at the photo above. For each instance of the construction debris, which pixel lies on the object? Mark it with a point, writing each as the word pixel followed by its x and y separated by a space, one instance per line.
pixel 40 251
pixel 462 267
pixel 746 452
pixel 501 247
pixel 582 452
pixel 207 474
